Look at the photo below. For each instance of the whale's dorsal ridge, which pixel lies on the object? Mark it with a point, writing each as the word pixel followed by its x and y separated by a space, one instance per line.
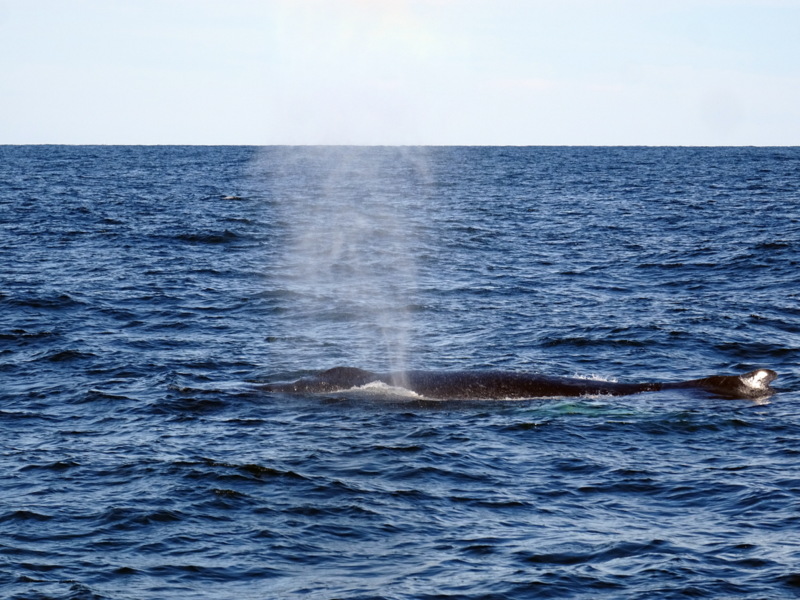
pixel 758 379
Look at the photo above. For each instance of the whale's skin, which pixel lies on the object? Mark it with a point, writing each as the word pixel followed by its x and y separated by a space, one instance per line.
pixel 477 385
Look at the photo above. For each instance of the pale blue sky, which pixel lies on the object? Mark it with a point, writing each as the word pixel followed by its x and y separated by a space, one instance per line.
pixel 599 72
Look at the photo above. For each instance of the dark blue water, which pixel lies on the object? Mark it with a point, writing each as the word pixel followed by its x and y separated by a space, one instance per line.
pixel 145 291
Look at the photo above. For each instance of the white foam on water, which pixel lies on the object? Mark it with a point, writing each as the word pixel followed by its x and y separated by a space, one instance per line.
pixel 595 377
pixel 384 389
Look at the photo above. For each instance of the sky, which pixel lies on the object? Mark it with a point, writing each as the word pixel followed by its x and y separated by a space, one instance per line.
pixel 400 72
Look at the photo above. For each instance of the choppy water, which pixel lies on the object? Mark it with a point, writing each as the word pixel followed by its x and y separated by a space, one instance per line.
pixel 144 292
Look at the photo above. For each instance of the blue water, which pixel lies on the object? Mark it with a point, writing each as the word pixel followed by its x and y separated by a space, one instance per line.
pixel 146 291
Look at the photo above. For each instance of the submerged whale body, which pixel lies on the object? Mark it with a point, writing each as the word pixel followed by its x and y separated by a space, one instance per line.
pixel 477 385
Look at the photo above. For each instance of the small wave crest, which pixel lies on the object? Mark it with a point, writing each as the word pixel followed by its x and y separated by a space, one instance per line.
pixel 209 237
pixel 595 377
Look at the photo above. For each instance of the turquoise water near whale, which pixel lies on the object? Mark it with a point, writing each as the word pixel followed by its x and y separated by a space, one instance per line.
pixel 145 292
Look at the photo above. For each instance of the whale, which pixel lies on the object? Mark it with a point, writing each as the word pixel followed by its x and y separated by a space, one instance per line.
pixel 496 385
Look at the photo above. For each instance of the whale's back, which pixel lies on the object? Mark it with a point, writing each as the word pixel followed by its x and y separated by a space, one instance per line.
pixel 754 384
pixel 509 385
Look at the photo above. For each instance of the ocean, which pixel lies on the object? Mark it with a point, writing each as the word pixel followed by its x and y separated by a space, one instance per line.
pixel 146 294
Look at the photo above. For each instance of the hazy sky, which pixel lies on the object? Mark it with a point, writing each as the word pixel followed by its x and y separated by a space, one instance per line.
pixel 527 72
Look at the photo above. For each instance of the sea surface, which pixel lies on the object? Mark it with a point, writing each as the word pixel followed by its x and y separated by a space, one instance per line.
pixel 146 292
